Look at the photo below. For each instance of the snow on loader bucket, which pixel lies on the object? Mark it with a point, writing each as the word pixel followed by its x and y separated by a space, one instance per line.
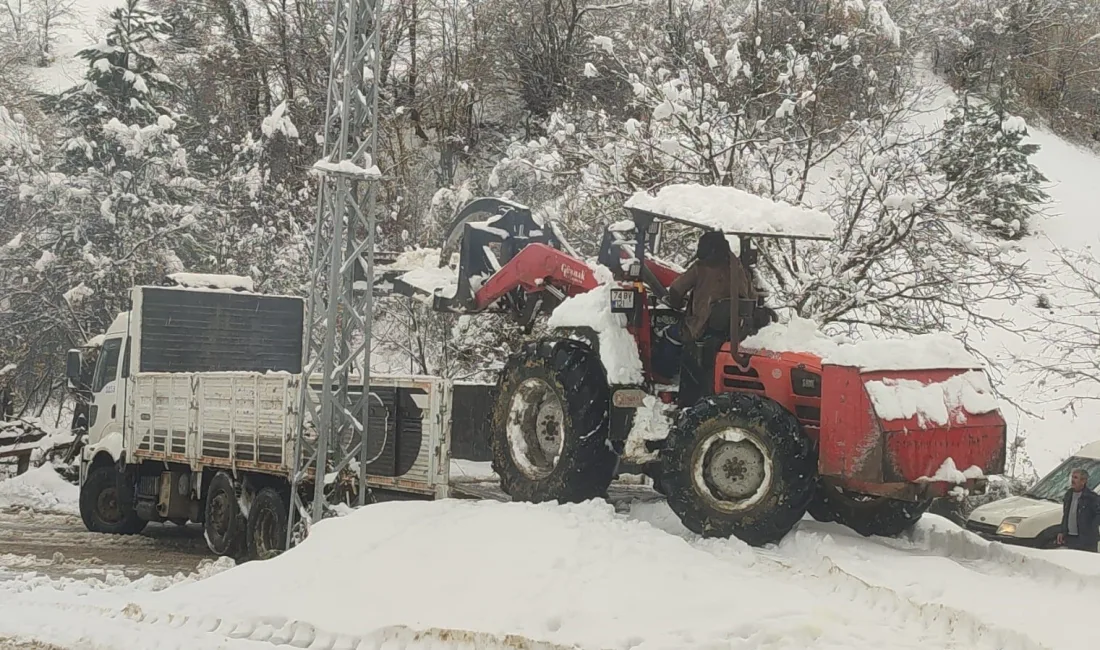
pixel 788 421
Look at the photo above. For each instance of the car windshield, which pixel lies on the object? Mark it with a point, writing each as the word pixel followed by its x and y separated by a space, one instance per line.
pixel 1054 485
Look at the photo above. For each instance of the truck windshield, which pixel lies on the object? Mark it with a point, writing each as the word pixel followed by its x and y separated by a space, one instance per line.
pixel 1053 486
pixel 107 368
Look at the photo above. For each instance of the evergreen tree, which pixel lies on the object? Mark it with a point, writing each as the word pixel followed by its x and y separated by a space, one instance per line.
pixel 984 152
pixel 122 84
pixel 122 207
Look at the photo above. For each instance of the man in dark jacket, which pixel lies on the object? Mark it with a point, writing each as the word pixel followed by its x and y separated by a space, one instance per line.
pixel 1080 515
pixel 709 280
pixel 716 276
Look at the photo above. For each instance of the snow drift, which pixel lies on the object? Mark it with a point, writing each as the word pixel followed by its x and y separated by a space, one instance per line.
pixel 40 489
pixel 575 576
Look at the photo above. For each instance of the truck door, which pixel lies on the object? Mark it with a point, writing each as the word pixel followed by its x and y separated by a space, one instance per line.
pixel 105 415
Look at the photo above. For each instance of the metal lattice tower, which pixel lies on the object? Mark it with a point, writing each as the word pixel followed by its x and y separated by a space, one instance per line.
pixel 332 425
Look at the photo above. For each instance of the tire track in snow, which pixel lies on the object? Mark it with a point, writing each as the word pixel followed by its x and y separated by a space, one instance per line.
pixel 970 552
pixel 964 629
pixel 956 628
pixel 993 558
pixel 130 626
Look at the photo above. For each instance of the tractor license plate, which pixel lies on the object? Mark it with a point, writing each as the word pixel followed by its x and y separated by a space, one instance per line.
pixel 622 300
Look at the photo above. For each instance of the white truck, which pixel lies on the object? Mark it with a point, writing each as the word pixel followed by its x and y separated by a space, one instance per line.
pixel 193 405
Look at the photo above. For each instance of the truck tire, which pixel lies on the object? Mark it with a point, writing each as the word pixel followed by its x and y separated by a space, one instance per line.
pixel 224 523
pixel 550 424
pixel 738 464
pixel 867 515
pixel 101 507
pixel 267 525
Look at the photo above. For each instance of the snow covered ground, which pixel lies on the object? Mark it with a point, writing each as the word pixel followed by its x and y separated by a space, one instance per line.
pixel 461 574
pixel 41 489
pixel 76 32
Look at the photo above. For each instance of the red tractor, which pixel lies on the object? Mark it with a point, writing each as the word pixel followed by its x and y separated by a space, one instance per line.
pixel 864 441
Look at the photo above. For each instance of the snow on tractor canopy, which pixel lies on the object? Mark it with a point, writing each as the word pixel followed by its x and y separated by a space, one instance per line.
pixel 731 211
pixel 745 425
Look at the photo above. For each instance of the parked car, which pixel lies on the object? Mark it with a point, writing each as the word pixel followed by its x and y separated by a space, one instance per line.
pixel 1033 518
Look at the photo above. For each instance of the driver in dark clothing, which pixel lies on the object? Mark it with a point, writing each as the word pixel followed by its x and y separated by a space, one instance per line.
pixel 708 280
pixel 715 276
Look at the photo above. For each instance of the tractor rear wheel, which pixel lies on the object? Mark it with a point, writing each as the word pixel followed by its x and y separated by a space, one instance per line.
pixel 738 464
pixel 550 424
pixel 867 515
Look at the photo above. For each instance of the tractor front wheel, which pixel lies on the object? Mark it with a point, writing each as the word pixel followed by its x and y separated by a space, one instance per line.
pixel 867 515
pixel 550 424
pixel 738 464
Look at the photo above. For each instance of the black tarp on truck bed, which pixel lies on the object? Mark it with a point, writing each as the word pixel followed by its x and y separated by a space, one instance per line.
pixel 215 331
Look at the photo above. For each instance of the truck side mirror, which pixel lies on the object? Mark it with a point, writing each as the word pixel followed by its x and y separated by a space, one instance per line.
pixel 72 368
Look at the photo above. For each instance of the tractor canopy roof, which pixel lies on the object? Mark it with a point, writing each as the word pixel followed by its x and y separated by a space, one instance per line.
pixel 731 211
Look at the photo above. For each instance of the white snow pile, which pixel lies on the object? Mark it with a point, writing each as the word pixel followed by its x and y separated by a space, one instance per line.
pixel 279 122
pixel 77 294
pixel 949 472
pixel 463 470
pixel 733 211
pixel 212 281
pixel 618 350
pixel 40 489
pixel 577 576
pixel 902 399
pixel 347 167
pixel 651 422
pixel 927 351
pixel 423 272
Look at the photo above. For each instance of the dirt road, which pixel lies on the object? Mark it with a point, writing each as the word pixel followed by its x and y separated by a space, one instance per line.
pixel 58 545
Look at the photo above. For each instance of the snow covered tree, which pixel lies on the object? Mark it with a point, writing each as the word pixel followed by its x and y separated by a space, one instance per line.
pixel 119 209
pixel 985 154
pixel 1047 50
pixel 806 105
pixel 1066 365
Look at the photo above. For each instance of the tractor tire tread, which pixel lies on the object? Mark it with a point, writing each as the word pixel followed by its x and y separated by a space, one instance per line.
pixel 883 517
pixel 794 469
pixel 587 464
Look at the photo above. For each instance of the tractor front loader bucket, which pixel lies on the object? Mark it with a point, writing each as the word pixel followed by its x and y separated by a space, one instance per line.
pixel 909 434
pixel 485 246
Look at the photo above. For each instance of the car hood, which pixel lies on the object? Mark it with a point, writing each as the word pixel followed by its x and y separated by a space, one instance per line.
pixel 1024 507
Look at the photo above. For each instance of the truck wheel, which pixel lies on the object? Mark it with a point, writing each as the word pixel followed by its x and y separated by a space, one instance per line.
pixel 867 515
pixel 738 464
pixel 267 525
pixel 224 524
pixel 102 509
pixel 550 424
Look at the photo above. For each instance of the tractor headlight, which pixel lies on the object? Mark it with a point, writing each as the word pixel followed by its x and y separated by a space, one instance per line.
pixel 1008 526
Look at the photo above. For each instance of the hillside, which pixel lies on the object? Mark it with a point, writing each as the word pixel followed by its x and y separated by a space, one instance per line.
pixel 1051 434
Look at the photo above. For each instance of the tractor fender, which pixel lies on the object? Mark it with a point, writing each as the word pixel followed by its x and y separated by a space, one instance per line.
pixel 591 338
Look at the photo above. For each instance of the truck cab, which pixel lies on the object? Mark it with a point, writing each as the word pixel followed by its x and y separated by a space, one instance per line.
pixel 107 391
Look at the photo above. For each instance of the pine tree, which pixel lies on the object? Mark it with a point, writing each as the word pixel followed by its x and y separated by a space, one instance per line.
pixel 984 152
pixel 122 83
pixel 128 209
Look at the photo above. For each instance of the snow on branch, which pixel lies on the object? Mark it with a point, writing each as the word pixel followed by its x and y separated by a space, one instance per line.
pixel 1067 321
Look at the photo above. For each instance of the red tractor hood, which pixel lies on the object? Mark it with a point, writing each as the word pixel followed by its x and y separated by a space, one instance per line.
pixel 935 427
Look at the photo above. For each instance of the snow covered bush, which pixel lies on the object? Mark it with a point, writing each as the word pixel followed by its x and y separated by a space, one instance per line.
pixel 985 154
pixel 802 111
pixel 1046 50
